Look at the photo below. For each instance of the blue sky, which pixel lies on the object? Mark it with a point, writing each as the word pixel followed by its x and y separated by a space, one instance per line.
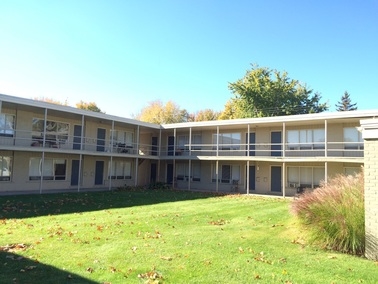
pixel 122 54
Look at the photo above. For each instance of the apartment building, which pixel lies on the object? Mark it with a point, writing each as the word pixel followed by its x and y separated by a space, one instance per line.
pixel 46 147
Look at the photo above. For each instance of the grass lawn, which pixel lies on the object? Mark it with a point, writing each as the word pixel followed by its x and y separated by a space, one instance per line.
pixel 162 237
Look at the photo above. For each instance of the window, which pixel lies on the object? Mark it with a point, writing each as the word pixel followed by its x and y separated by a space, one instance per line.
pixel 56 132
pixel 305 139
pixel 352 138
pixel 228 141
pixel 7 125
pixel 196 171
pixel 352 171
pixel 309 177
pixel 53 169
pixel 125 138
pixel 120 170
pixel 5 168
pixel 183 142
pixel 196 142
pixel 227 173
pixel 182 171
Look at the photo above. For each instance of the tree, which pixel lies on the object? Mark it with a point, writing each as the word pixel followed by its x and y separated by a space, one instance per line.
pixel 346 103
pixel 267 92
pixel 51 101
pixel 88 106
pixel 206 115
pixel 231 110
pixel 157 112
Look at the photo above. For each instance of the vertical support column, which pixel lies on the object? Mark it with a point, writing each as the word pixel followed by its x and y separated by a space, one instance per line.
pixel 174 159
pixel 217 145
pixel 370 136
pixel 190 141
pixel 190 174
pixel 325 138
pixel 159 154
pixel 111 155
pixel 217 174
pixel 137 159
pixel 283 139
pixel 326 172
pixel 248 175
pixel 81 155
pixel 248 141
pixel 174 141
pixel 284 179
pixel 43 151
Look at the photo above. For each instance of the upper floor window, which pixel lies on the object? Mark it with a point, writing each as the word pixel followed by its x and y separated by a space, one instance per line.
pixel 51 169
pixel 352 138
pixel 56 133
pixel 5 168
pixel 305 139
pixel 7 125
pixel 183 142
pixel 227 141
pixel 124 138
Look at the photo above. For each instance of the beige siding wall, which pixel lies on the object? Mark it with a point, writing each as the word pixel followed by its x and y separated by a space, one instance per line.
pixel 371 198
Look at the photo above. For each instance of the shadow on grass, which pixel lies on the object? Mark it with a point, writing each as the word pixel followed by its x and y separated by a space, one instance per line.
pixel 17 269
pixel 26 206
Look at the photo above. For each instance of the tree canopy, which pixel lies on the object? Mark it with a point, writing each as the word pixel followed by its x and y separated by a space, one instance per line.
pixel 51 100
pixel 206 115
pixel 159 113
pixel 88 106
pixel 268 92
pixel 346 103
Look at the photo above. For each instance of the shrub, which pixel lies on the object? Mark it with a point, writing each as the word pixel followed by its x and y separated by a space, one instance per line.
pixel 334 214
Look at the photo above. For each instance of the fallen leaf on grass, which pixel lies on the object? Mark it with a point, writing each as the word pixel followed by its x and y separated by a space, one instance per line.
pixel 166 258
pixel 219 222
pixel 151 276
pixel 13 247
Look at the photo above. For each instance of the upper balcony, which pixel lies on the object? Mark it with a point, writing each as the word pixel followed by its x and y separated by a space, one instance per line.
pixel 62 142
pixel 259 150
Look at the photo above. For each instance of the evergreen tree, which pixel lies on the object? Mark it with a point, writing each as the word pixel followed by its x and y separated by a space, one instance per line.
pixel 346 104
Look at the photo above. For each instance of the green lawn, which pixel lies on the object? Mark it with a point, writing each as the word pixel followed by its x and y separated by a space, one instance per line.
pixel 162 237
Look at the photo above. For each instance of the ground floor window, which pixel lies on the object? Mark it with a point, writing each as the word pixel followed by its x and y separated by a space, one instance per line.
pixel 53 169
pixel 182 171
pixel 5 168
pixel 226 173
pixel 352 170
pixel 308 177
pixel 120 170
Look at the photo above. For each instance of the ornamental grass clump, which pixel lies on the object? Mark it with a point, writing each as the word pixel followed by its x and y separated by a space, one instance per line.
pixel 334 215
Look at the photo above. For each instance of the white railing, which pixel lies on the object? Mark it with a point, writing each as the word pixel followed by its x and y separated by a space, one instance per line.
pixel 51 141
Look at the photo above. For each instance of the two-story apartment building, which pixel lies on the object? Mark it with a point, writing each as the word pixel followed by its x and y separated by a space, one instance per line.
pixel 46 147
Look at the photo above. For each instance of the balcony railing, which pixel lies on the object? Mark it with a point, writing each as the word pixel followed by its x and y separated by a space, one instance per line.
pixel 59 141
pixel 334 149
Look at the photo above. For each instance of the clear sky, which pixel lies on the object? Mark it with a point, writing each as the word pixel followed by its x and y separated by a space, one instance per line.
pixel 122 54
